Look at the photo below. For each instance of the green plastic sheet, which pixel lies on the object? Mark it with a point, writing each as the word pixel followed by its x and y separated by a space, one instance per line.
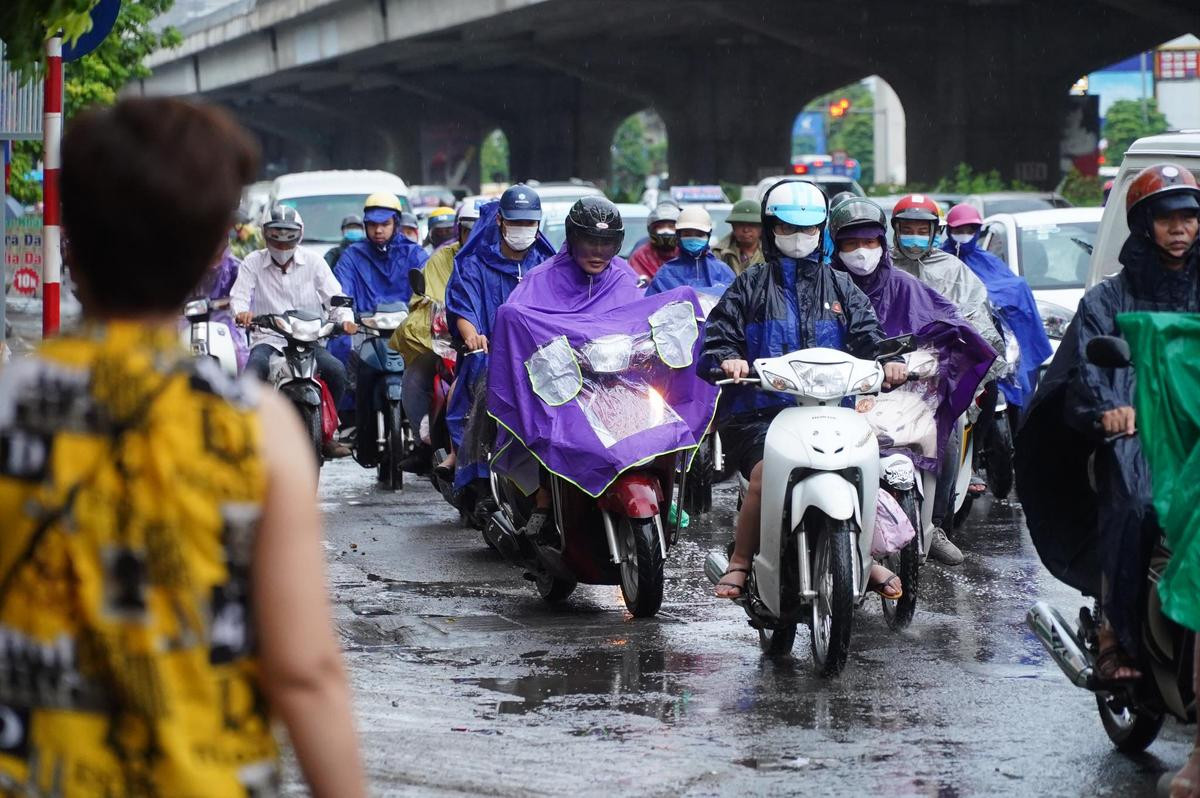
pixel 1166 357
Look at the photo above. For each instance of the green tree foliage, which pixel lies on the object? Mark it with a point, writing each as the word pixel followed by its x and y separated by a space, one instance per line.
pixel 26 24
pixel 854 132
pixel 966 181
pixel 639 149
pixel 1083 191
pixel 493 158
pixel 1124 123
pixel 98 76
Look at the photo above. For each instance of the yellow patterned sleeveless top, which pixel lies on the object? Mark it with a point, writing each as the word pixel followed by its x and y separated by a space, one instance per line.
pixel 130 491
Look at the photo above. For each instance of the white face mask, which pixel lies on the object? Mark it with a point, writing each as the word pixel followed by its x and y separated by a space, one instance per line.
pixel 798 245
pixel 862 261
pixel 281 256
pixel 520 238
pixel 962 238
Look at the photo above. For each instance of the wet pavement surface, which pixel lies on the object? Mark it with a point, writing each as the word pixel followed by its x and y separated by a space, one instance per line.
pixel 467 683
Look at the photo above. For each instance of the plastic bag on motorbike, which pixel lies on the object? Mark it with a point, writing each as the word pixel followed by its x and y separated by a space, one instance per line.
pixel 905 419
pixel 893 529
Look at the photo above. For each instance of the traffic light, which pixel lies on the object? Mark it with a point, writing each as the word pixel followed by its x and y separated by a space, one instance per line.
pixel 839 108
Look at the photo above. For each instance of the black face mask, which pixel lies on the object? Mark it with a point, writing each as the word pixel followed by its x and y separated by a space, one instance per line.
pixel 664 240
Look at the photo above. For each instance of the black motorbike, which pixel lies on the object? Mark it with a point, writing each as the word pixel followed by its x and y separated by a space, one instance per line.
pixel 392 438
pixel 1132 712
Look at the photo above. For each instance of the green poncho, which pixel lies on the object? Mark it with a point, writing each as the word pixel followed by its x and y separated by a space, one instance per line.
pixel 1166 356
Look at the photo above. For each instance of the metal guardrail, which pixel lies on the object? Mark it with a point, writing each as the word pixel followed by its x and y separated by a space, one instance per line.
pixel 20 105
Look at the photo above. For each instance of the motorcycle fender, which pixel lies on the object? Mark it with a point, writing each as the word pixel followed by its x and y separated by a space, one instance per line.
pixel 394 390
pixel 828 492
pixel 302 392
pixel 633 496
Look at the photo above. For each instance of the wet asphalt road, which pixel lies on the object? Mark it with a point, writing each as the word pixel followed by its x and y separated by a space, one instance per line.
pixel 467 683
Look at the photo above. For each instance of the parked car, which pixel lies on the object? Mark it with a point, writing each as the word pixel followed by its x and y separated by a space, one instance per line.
pixel 564 190
pixel 1182 149
pixel 325 198
pixel 994 202
pixel 1052 250
pixel 425 198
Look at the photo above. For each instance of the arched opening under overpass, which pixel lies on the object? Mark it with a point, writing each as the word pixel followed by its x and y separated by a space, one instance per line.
pixel 639 152
pixel 494 159
pixel 860 124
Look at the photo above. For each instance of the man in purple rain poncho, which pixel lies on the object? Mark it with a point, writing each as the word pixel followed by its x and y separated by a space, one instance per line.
pixel 583 293
pixel 905 305
pixel 504 246
pixel 216 284
pixel 695 266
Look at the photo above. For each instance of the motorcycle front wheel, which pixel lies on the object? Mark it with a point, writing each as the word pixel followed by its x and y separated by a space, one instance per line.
pixel 1131 729
pixel 311 419
pixel 906 564
pixel 641 566
pixel 999 458
pixel 833 607
pixel 388 468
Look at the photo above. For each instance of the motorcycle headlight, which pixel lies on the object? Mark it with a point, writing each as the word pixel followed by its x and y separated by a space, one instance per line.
pixel 822 380
pixel 1055 319
pixel 306 330
pixel 609 354
pixel 197 307
pixel 283 324
pixel 384 321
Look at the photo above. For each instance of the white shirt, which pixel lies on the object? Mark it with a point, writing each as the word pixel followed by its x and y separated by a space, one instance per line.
pixel 308 285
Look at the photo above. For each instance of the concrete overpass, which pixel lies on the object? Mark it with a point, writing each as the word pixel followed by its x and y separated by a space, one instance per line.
pixel 411 85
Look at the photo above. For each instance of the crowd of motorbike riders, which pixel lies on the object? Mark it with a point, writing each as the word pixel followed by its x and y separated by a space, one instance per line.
pixel 798 270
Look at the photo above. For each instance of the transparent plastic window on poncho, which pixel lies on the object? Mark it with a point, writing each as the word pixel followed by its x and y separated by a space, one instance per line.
pixel 613 378
pixel 906 418
pixel 674 329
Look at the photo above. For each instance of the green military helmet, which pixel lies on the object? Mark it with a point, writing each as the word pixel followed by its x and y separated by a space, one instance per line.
pixel 855 211
pixel 747 211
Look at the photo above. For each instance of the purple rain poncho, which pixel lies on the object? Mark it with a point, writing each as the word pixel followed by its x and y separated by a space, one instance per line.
pixel 553 396
pixel 216 284
pixel 906 305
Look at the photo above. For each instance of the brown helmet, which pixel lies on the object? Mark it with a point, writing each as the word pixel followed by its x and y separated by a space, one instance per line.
pixel 1171 188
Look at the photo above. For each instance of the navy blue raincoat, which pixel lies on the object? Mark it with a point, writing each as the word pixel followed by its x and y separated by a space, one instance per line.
pixel 481 282
pixel 778 307
pixel 1013 300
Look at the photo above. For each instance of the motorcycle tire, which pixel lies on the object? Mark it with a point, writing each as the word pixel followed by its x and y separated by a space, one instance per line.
pixel 697 496
pixel 554 590
pixel 778 642
pixel 388 470
pixel 311 418
pixel 833 606
pixel 1000 458
pixel 641 566
pixel 1131 729
pixel 906 564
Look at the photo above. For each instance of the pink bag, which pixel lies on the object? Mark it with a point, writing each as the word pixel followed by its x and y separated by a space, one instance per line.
pixel 893 530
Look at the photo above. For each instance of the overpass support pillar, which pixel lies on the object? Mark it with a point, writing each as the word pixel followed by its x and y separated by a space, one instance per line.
pixel 1010 123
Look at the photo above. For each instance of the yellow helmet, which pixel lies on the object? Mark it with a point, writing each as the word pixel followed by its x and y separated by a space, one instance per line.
pixel 441 217
pixel 382 199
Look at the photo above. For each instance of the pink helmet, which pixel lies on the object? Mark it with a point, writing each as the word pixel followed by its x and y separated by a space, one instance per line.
pixel 961 214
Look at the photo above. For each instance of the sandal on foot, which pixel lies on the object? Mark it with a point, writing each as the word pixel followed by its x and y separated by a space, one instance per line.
pixel 882 588
pixel 1111 660
pixel 740 588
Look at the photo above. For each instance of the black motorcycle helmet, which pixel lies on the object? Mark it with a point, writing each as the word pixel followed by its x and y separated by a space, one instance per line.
pixel 595 218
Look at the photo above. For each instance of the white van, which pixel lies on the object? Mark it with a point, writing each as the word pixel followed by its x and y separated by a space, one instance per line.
pixel 325 198
pixel 1181 149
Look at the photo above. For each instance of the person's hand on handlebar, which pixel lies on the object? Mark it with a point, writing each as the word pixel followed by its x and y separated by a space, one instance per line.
pixel 349 327
pixel 476 342
pixel 735 369
pixel 894 374
pixel 244 318
pixel 1119 421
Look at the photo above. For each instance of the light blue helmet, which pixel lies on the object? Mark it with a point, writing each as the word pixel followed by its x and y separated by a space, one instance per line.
pixel 796 202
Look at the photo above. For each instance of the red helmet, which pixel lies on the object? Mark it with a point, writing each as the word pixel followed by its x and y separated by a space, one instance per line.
pixel 962 214
pixel 1160 181
pixel 916 208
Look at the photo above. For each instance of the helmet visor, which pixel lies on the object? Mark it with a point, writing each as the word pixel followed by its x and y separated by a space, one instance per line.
pixel 378 215
pixel 586 245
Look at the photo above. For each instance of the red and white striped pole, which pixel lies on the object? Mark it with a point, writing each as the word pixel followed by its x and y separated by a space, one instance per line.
pixel 51 210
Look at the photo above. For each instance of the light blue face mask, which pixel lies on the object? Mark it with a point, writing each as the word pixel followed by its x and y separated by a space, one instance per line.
pixel 355 234
pixel 917 243
pixel 693 246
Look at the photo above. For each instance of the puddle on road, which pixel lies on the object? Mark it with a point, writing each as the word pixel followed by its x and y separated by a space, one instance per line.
pixel 638 682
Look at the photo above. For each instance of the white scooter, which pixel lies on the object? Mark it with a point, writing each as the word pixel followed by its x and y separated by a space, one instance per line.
pixel 207 338
pixel 821 472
